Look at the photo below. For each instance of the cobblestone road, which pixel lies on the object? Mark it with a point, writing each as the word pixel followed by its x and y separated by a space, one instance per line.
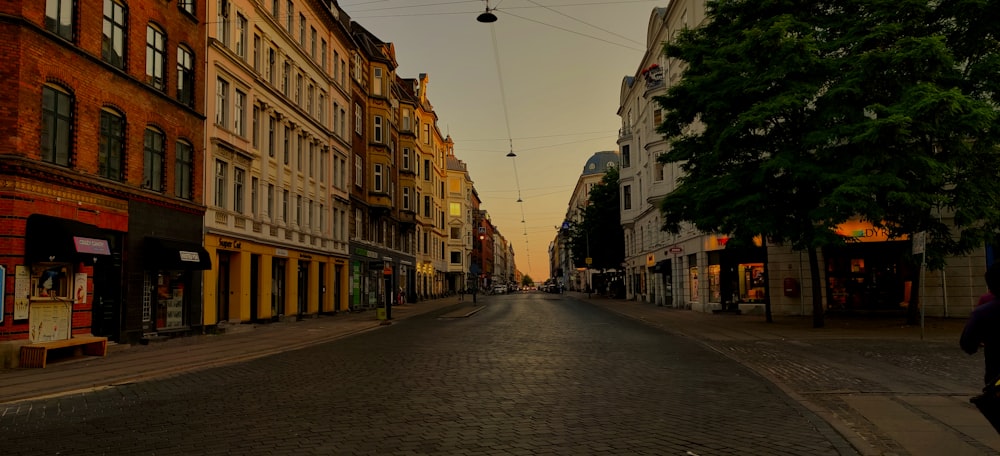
pixel 529 374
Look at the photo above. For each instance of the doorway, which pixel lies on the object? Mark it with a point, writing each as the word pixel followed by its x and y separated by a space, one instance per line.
pixel 223 289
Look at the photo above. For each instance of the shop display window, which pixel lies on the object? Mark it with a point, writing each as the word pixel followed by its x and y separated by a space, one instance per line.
pixel 51 281
pixel 751 282
pixel 714 283
pixel 170 300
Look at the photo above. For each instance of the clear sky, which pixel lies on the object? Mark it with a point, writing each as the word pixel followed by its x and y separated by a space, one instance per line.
pixel 543 81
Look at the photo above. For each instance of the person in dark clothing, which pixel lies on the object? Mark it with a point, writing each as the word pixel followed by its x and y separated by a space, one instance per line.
pixel 983 328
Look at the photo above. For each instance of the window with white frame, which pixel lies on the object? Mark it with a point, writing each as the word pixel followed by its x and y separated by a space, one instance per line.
pixel 406 120
pixel 241 36
pixel 377 183
pixel 406 198
pixel 376 81
pixel 358 121
pixel 359 171
pixel 221 170
pixel 222 23
pixel 406 158
pixel 239 113
pixel 254 196
pixel 222 103
pixel 377 128
pixel 239 176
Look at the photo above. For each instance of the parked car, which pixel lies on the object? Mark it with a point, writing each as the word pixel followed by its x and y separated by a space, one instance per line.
pixel 499 289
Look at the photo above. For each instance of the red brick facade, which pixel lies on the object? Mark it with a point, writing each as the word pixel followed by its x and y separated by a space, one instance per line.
pixel 33 57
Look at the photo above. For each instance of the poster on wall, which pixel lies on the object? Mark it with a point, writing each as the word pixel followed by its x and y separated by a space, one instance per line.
pixel 49 321
pixel 22 290
pixel 80 288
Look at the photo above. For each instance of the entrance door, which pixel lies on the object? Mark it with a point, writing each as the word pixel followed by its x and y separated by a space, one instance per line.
pixel 254 287
pixel 303 292
pixel 321 287
pixel 277 288
pixel 106 307
pixel 222 288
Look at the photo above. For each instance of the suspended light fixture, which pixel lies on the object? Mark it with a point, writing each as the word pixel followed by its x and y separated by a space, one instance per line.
pixel 487 17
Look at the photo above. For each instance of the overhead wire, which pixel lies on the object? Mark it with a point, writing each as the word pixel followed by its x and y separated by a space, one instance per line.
pixel 510 140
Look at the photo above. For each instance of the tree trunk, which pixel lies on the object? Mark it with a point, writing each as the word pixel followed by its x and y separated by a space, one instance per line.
pixel 817 289
pixel 767 284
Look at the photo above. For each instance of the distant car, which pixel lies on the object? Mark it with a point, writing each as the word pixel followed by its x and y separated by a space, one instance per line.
pixel 499 289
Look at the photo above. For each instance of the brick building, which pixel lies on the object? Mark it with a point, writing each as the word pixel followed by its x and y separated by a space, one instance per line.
pixel 101 168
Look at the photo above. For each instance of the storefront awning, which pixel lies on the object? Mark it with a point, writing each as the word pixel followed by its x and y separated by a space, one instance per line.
pixel 59 240
pixel 172 254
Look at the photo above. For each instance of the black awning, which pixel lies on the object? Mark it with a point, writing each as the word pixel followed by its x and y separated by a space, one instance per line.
pixel 59 240
pixel 172 254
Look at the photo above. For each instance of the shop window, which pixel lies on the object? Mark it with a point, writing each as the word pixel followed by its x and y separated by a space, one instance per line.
pixel 170 300
pixel 52 281
pixel 714 284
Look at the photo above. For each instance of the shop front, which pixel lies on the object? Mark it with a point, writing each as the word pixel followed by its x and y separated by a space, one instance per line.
pixel 68 266
pixel 378 275
pixel 171 269
pixel 870 273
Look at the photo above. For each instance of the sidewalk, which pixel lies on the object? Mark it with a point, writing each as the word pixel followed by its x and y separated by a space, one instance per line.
pixel 131 363
pixel 888 388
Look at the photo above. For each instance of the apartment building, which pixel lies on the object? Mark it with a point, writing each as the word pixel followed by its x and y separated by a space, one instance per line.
pixel 381 257
pixel 103 120
pixel 577 276
pixel 275 157
pixel 431 149
pixel 459 223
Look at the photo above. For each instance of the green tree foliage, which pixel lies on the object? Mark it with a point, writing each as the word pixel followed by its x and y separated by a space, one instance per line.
pixel 793 116
pixel 599 231
pixel 527 281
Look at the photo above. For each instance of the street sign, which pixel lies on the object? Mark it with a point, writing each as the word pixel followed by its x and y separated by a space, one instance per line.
pixel 589 260
pixel 919 242
pixel 676 250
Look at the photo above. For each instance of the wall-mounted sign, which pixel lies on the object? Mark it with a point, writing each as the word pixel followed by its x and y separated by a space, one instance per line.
pixel 676 250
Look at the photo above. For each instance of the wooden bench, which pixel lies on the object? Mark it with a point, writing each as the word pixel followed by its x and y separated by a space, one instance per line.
pixel 36 354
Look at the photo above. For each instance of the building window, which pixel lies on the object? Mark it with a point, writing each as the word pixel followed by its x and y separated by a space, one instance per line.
pixel 184 170
pixel 152 160
pixel 186 6
pixel 406 120
pixel 427 133
pixel 378 128
pixel 358 171
pixel 312 42
pixel 57 125
pixel 185 76
pixel 322 54
pixel 406 158
pixel 311 159
pixel 270 201
pixel 286 81
pixel 378 178
pixel 241 36
pixel 427 170
pixel 59 17
pixel 406 198
pixel 324 160
pixel 302 30
pixel 239 179
pixel 377 81
pixel 310 96
pixel 358 121
pixel 256 53
pixel 298 152
pixel 627 196
pixel 112 145
pixel 239 113
pixel 626 156
pixel 427 205
pixel 221 170
pixel 222 23
pixel 275 8
pixel 290 17
pixel 222 103
pixel 156 58
pixel 298 89
pixel 113 42
pixel 284 205
pixel 272 74
pixel 254 197
pixel 271 125
pixel 455 209
pixel 255 128
pixel 286 140
pixel 321 115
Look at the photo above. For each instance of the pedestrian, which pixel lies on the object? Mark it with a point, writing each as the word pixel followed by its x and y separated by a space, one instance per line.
pixel 402 296
pixel 461 295
pixel 474 290
pixel 983 328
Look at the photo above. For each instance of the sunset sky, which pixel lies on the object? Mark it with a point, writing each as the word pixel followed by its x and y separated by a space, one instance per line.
pixel 543 81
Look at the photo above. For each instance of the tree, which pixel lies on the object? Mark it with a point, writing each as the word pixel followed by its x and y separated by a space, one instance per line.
pixel 794 116
pixel 527 281
pixel 599 234
pixel 739 121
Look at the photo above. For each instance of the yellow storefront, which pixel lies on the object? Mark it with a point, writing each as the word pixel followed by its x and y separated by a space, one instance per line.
pixel 254 282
